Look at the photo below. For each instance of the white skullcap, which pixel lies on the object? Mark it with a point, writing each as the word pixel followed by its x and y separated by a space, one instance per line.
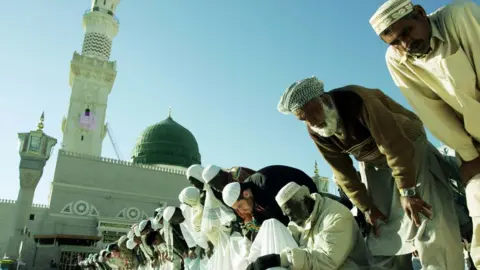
pixel 231 193
pixel 189 195
pixel 389 13
pixel 299 94
pixel 122 239
pixel 130 235
pixel 168 213
pixel 141 226
pixel 195 171
pixel 102 252
pixel 210 172
pixel 131 244
pixel 286 193
pixel 156 225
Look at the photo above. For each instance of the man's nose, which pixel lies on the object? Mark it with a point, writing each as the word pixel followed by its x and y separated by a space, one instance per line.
pixel 406 42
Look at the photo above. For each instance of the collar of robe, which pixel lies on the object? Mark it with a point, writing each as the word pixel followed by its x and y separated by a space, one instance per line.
pixel 312 220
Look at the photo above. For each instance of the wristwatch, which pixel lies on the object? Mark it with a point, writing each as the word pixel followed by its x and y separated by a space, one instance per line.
pixel 408 192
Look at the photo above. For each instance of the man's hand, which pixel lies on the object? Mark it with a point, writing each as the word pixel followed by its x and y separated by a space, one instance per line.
pixel 415 205
pixel 192 255
pixel 209 252
pixel 265 262
pixel 469 169
pixel 372 216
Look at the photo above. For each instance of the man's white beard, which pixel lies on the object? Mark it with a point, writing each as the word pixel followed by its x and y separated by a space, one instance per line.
pixel 331 121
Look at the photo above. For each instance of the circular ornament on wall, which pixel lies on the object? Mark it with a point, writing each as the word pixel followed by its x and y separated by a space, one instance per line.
pixel 81 208
pixel 133 213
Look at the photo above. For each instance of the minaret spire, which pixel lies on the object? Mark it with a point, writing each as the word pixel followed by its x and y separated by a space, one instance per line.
pixel 40 125
pixel 315 169
pixel 92 75
pixel 169 112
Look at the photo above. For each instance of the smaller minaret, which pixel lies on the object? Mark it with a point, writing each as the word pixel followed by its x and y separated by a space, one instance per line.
pixel 315 169
pixel 321 182
pixel 35 149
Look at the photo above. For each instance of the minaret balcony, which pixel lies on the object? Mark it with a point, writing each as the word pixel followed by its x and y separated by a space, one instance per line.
pixel 103 10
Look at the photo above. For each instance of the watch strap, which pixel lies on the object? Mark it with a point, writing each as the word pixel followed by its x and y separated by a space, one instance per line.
pixel 408 192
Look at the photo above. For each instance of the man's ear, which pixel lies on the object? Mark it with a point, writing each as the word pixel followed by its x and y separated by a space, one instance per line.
pixel 246 193
pixel 420 11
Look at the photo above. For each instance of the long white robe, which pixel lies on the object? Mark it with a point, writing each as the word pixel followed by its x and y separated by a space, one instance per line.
pixel 444 89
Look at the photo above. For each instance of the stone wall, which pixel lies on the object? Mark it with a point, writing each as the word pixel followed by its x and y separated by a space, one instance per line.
pixel 7 214
pixel 94 186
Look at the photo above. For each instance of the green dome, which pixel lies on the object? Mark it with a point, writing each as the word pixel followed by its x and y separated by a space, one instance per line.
pixel 166 143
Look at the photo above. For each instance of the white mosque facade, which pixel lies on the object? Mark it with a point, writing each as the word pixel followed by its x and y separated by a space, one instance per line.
pixel 93 200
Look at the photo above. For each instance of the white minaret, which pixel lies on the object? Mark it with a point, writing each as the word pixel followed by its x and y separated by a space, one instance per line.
pixel 91 77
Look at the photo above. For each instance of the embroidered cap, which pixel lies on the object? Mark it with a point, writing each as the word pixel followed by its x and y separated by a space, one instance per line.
pixel 389 13
pixel 286 193
pixel 299 94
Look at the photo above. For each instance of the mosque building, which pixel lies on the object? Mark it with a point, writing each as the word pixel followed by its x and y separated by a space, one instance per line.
pixel 93 200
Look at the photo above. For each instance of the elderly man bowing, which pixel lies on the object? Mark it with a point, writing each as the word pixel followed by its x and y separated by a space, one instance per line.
pixel 436 66
pixel 327 234
pixel 398 165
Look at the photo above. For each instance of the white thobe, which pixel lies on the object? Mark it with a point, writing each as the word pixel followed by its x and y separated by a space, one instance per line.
pixel 444 89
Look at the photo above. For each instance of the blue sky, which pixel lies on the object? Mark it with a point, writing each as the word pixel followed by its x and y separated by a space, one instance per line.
pixel 221 66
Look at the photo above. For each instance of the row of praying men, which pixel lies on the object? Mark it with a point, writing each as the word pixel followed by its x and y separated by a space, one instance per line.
pixel 276 218
pixel 238 218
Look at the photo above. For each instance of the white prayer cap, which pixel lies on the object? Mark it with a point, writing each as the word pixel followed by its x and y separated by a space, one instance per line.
pixel 210 172
pixel 189 195
pixel 131 244
pixel 168 213
pixel 299 94
pixel 286 193
pixel 130 235
pixel 389 13
pixel 141 226
pixel 102 252
pixel 195 171
pixel 231 193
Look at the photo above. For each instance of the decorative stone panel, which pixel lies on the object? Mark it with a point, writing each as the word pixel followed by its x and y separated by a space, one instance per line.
pixel 80 208
pixel 98 45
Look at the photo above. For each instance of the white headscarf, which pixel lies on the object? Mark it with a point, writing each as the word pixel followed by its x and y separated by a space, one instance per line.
pixel 215 213
pixel 168 236
pixel 189 196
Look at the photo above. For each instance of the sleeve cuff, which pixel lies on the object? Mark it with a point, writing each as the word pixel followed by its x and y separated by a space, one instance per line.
pixel 468 153
pixel 284 262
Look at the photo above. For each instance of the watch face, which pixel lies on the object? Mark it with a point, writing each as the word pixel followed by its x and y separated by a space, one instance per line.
pixel 408 192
